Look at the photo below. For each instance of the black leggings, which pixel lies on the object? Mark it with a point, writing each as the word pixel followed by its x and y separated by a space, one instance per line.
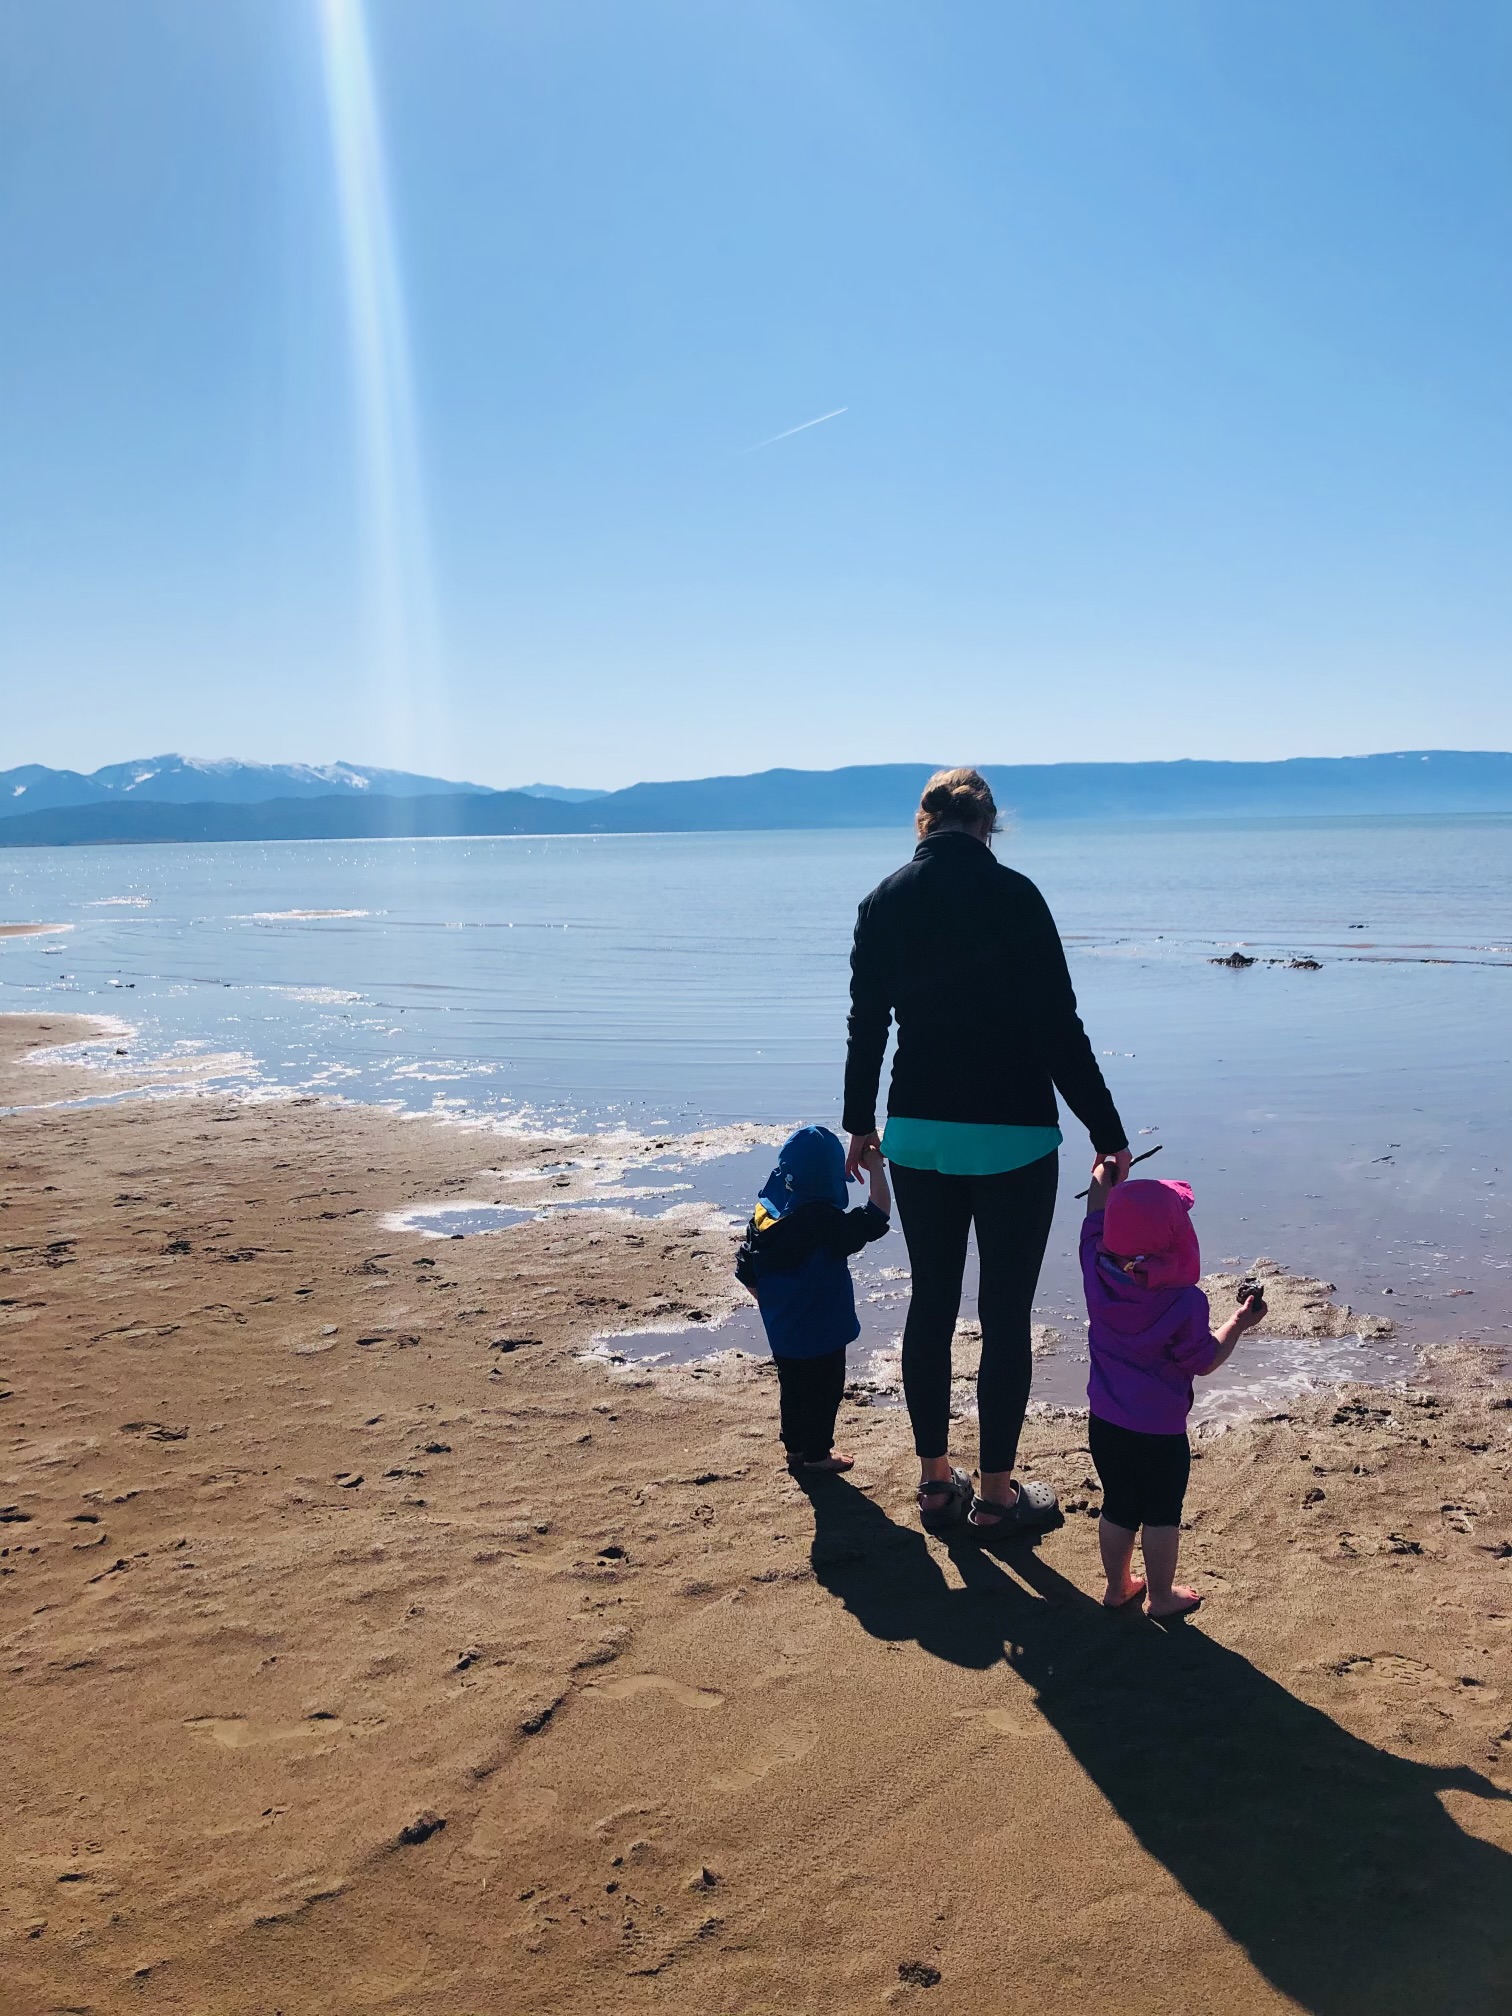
pixel 1012 1214
pixel 811 1390
pixel 1144 1477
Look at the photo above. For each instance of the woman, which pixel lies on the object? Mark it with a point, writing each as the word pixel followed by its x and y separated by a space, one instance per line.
pixel 965 954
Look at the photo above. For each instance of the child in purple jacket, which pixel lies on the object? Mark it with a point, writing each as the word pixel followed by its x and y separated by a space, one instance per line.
pixel 1148 1327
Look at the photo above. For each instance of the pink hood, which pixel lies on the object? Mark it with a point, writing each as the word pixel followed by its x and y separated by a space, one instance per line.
pixel 1152 1223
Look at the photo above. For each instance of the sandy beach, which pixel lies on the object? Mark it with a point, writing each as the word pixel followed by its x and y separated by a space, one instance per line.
pixel 367 1649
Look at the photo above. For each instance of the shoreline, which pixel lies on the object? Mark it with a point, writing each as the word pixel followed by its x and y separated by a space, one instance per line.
pixel 366 1647
pixel 597 1171
pixel 1203 818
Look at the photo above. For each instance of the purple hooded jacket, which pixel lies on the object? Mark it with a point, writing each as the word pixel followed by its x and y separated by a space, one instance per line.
pixel 1147 1344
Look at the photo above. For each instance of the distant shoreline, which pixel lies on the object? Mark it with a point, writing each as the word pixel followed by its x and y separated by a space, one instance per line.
pixel 1193 822
pixel 1422 783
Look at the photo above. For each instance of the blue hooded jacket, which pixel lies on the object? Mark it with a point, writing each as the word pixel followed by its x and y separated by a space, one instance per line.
pixel 796 1246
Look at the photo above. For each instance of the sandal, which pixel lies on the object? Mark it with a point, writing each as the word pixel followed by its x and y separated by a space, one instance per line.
pixel 1035 1511
pixel 956 1489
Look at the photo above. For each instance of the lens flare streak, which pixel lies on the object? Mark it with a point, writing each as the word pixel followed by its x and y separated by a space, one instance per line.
pixel 400 597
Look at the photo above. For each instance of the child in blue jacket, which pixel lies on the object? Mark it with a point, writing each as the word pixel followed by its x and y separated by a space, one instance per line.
pixel 793 1260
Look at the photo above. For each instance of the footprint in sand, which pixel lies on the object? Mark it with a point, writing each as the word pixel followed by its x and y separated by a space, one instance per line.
pixel 510 1816
pixel 1398 1682
pixel 786 1747
pixel 1003 1721
pixel 235 1732
pixel 628 1685
pixel 1391 1667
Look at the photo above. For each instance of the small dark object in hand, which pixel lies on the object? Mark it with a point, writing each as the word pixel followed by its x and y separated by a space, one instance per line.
pixel 1250 1287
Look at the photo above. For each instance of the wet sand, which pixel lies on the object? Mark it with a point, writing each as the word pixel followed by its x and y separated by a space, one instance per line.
pixel 366 1649
pixel 31 930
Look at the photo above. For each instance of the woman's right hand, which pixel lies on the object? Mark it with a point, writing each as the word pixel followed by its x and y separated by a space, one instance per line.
pixel 1110 1170
pixel 861 1146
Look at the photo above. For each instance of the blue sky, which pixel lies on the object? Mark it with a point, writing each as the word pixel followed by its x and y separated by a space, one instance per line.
pixel 1174 341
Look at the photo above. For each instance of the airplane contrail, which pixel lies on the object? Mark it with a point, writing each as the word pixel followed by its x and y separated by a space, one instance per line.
pixel 816 422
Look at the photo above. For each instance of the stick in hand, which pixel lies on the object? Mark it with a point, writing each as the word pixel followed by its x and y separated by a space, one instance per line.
pixel 1134 1164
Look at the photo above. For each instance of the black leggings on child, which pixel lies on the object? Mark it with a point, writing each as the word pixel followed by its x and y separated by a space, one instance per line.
pixel 1144 1477
pixel 1012 1214
pixel 811 1390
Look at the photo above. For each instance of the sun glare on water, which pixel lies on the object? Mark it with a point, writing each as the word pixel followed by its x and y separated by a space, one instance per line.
pixel 400 612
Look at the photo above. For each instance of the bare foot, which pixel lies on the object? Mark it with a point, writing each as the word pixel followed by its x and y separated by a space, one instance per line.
pixel 836 1460
pixel 1116 1598
pixel 1183 1602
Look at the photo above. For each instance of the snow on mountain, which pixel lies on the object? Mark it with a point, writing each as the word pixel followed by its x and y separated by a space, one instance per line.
pixel 564 794
pixel 199 780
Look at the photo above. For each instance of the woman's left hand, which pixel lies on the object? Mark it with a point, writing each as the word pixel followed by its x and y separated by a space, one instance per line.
pixel 861 1145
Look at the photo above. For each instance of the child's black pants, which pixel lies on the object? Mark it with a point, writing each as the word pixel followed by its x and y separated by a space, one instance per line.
pixel 1144 1477
pixel 811 1390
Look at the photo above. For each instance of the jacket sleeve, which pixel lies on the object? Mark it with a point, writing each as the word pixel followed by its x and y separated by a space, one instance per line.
pixel 747 1261
pixel 867 1026
pixel 1194 1347
pixel 1086 1252
pixel 1062 1040
pixel 849 1231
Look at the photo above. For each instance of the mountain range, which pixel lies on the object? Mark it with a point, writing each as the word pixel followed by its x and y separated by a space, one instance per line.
pixel 177 798
pixel 196 780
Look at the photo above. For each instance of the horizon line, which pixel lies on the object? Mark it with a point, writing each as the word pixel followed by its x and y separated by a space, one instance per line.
pixel 709 777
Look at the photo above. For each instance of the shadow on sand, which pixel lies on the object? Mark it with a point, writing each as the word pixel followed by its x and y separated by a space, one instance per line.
pixel 1331 1862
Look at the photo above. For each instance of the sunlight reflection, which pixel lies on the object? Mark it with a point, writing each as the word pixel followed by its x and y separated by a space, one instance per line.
pixel 400 598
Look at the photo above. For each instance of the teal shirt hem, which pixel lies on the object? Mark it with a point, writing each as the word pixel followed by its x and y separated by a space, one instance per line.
pixel 961 1148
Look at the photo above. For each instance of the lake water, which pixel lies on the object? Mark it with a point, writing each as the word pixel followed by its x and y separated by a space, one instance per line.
pixel 1350 1119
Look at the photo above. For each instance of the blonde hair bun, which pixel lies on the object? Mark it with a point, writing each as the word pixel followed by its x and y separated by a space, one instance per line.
pixel 956 800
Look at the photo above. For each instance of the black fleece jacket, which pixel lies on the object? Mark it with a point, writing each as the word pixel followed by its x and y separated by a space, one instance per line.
pixel 964 952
